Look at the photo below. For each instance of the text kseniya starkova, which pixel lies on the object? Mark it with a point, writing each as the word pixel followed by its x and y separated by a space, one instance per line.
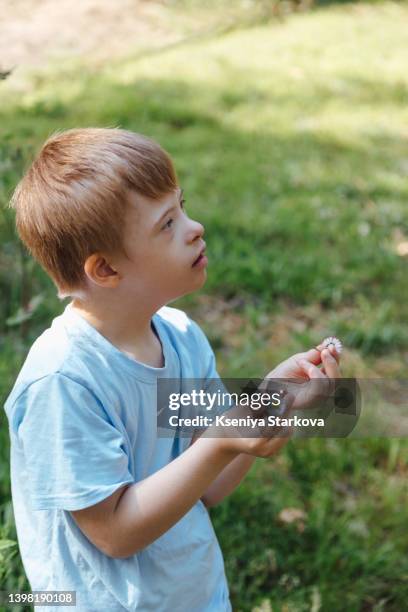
pixel 217 401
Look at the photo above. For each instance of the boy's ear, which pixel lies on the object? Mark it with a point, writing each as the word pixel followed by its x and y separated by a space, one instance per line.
pixel 100 271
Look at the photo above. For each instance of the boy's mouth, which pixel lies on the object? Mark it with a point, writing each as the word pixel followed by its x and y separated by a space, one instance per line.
pixel 200 257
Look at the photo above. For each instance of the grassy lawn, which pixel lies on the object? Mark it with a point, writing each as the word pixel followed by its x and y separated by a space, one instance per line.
pixel 290 140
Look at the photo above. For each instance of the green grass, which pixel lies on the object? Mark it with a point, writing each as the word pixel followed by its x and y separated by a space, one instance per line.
pixel 350 548
pixel 290 142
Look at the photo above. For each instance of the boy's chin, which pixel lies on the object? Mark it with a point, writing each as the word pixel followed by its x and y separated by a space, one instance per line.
pixel 198 284
pixel 200 280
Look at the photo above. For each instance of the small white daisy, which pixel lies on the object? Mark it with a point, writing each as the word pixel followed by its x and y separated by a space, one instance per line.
pixel 334 341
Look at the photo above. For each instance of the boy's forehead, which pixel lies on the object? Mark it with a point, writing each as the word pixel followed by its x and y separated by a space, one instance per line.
pixel 151 210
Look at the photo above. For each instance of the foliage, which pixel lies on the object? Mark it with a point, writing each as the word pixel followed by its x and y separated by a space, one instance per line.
pixel 290 142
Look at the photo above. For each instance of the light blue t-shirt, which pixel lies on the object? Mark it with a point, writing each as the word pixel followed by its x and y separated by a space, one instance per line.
pixel 83 422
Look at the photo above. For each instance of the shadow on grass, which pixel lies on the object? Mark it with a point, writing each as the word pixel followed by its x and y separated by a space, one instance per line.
pixel 298 216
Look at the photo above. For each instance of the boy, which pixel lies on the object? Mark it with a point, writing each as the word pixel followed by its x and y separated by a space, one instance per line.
pixel 103 506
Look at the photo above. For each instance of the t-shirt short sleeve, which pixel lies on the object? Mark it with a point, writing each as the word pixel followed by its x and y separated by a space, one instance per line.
pixel 75 456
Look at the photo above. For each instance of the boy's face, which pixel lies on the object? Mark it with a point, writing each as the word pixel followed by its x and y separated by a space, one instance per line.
pixel 162 245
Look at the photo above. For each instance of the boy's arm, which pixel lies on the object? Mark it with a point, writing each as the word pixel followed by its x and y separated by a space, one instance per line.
pixel 228 480
pixel 231 476
pixel 136 515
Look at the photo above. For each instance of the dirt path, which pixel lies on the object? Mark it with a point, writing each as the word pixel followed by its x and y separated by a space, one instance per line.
pixel 35 31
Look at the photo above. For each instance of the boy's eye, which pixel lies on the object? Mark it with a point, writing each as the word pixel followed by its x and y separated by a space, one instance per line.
pixel 171 221
pixel 168 224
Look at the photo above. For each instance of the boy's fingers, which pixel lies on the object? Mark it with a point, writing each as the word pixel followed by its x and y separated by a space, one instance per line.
pixel 330 364
pixel 310 369
pixel 318 386
pixel 313 356
pixel 335 354
pixel 332 350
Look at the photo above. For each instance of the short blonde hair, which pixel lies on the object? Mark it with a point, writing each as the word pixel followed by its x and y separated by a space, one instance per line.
pixel 73 198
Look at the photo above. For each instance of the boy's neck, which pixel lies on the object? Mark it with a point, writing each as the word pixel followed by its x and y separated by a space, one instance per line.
pixel 129 329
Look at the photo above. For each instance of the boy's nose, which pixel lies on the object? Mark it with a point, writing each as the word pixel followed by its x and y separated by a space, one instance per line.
pixel 197 230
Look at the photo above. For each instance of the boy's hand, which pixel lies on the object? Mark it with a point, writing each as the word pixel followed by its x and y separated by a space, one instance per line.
pixel 264 440
pixel 305 383
pixel 296 366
